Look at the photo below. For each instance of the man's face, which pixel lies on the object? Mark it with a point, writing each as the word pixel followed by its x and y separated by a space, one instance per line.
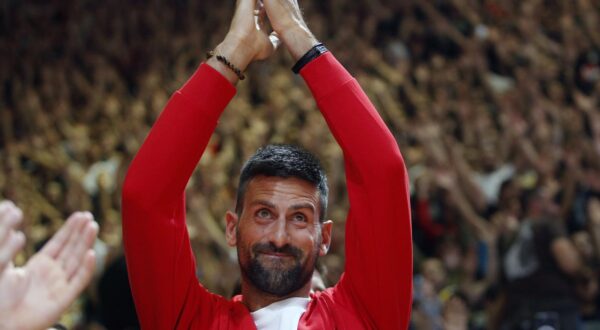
pixel 278 234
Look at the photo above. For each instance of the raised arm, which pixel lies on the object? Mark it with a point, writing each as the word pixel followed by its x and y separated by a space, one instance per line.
pixel 159 256
pixel 378 272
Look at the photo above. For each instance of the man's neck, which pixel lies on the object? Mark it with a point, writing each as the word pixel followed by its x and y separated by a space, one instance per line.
pixel 255 299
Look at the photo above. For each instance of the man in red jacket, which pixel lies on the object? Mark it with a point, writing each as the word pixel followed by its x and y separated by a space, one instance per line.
pixel 279 225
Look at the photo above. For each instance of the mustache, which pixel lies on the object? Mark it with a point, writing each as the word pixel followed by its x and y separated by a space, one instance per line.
pixel 271 248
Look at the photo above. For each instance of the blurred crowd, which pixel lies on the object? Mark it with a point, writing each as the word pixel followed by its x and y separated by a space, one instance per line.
pixel 494 105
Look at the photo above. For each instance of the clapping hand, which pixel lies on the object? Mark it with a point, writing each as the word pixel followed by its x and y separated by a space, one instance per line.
pixel 35 295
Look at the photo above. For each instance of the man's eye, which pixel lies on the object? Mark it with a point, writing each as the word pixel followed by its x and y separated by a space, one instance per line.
pixel 263 213
pixel 299 217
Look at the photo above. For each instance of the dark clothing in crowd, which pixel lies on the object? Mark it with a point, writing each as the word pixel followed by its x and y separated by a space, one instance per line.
pixel 538 292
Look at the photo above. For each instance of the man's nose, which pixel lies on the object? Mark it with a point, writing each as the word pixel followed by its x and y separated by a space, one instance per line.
pixel 279 234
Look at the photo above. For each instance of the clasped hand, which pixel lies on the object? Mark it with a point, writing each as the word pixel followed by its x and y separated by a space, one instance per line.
pixel 249 40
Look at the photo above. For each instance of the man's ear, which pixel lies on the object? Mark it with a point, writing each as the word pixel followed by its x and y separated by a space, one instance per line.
pixel 326 228
pixel 231 222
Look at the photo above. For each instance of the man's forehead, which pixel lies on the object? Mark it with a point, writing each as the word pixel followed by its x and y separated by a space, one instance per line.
pixel 293 188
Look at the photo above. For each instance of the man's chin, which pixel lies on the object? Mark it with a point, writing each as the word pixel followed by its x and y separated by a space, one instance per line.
pixel 275 277
pixel 278 270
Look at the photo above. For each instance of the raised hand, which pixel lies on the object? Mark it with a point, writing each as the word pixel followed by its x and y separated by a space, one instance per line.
pixel 286 19
pixel 248 28
pixel 34 296
pixel 248 39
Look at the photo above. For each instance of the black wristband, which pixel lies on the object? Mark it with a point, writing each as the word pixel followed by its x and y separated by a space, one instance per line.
pixel 313 53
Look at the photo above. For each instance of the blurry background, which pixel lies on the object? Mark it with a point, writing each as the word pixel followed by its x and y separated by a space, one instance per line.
pixel 494 105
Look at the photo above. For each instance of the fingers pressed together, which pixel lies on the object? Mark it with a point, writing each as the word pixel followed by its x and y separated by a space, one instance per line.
pixel 72 245
pixel 11 240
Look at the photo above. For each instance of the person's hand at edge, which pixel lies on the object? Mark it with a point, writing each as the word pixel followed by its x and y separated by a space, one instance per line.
pixel 35 296
pixel 11 240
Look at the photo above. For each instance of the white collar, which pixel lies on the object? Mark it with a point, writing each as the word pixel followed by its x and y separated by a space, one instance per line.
pixel 281 315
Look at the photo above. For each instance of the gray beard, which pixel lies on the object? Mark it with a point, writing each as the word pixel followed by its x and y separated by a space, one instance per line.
pixel 278 280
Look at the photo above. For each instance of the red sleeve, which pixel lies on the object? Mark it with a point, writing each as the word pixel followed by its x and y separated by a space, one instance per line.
pixel 159 256
pixel 378 271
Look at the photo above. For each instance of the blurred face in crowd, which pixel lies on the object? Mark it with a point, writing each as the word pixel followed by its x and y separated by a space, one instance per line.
pixel 593 209
pixel 451 255
pixel 434 272
pixel 456 313
pixel 469 262
pixel 278 234
pixel 508 200
pixel 489 157
pixel 583 243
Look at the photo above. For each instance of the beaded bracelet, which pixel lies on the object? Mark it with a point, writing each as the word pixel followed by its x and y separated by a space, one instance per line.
pixel 225 61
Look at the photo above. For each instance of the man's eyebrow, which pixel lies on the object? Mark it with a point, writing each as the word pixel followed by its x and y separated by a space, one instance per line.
pixel 303 206
pixel 263 202
pixel 293 207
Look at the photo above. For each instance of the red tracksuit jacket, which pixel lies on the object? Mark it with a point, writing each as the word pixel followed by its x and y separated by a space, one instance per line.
pixel 375 291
